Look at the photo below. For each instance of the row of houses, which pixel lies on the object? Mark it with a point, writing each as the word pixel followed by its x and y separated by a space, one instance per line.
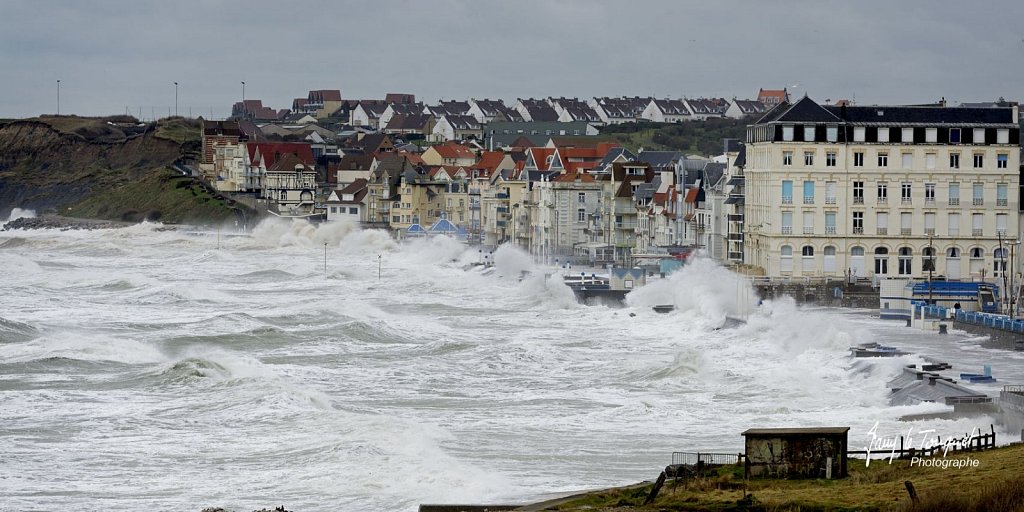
pixel 814 190
pixel 401 114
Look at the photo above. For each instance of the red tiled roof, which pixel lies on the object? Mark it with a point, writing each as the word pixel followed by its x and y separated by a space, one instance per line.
pixel 453 150
pixel 540 157
pixel 490 160
pixel 269 152
pixel 691 195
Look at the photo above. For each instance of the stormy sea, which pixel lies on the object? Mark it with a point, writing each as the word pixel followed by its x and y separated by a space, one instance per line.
pixel 332 368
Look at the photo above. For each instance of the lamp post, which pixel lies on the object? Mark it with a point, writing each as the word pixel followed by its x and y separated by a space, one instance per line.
pixel 931 268
pixel 1014 295
pixel 243 100
pixel 175 99
pixel 58 97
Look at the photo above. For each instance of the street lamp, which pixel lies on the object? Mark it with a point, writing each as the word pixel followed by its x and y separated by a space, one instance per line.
pixel 1014 295
pixel 175 99
pixel 243 100
pixel 58 97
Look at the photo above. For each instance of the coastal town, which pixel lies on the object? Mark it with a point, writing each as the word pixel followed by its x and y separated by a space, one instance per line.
pixel 807 190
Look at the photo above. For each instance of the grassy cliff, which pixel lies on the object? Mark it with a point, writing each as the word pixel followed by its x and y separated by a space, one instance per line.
pixel 995 484
pixel 110 168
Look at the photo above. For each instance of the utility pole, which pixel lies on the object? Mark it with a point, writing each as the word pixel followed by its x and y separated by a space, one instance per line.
pixel 58 97
pixel 175 98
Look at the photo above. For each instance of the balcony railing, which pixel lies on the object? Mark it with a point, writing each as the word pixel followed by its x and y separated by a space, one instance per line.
pixel 882 231
pixel 977 232
pixel 787 199
pixel 858 230
pixel 906 200
pixel 883 200
pixel 929 231
pixel 808 199
pixel 858 199
pixel 787 230
pixel 830 200
pixel 979 201
pixel 1001 202
pixel 929 201
pixel 808 230
pixel 830 230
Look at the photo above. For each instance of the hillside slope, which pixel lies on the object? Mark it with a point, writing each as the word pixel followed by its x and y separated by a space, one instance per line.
pixel 110 168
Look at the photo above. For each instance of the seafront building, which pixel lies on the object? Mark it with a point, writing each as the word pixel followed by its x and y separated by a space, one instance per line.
pixel 814 190
pixel 879 191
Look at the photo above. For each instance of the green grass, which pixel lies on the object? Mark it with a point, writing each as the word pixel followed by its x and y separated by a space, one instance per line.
pixel 691 137
pixel 995 484
pixel 163 196
pixel 179 129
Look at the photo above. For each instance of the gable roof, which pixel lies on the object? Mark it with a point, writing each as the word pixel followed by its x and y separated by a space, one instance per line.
pixel 355 162
pixel 772 95
pixel 409 122
pixel 672 107
pixel 395 97
pixel 461 122
pixel 323 95
pixel 539 110
pixel 270 152
pixel 624 107
pixel 453 150
pixel 288 162
pixel 660 159
pixel 373 108
pixel 445 108
pixel 749 107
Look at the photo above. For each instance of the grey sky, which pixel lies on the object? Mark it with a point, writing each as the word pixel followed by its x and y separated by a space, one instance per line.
pixel 113 54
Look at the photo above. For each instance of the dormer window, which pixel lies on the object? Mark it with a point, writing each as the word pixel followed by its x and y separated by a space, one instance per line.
pixel 809 133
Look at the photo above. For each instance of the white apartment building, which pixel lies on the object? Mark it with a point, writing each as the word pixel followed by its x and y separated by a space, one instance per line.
pixel 882 191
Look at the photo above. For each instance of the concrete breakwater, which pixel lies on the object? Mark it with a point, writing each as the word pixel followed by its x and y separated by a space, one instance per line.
pixel 62 223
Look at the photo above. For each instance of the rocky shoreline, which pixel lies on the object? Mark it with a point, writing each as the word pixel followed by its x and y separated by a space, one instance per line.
pixel 62 223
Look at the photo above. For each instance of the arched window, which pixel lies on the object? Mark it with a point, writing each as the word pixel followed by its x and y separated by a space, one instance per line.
pixel 857 261
pixel 808 259
pixel 999 261
pixel 830 259
pixel 928 259
pixel 977 263
pixel 953 270
pixel 786 258
pixel 881 261
pixel 906 261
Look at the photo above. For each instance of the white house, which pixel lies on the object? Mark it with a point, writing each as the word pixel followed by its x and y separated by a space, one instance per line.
pixel 348 203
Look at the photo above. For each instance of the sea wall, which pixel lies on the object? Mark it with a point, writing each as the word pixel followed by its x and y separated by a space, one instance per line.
pixel 822 293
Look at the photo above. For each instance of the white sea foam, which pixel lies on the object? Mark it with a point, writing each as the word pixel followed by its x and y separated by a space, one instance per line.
pixel 247 377
pixel 18 213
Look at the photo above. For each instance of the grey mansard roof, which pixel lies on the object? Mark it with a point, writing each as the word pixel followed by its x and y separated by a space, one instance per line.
pixel 807 111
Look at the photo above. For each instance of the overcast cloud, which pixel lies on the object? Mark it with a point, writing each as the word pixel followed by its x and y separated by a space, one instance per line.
pixel 110 55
